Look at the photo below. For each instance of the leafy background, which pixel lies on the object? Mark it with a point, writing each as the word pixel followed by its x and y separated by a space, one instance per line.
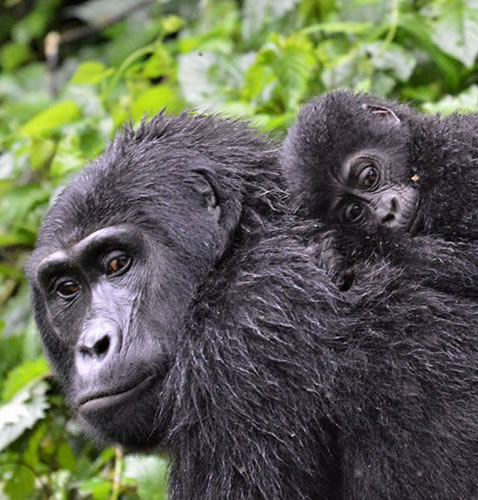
pixel 72 71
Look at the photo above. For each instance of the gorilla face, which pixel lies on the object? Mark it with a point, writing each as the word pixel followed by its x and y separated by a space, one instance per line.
pixel 347 161
pixel 93 292
pixel 118 261
pixel 370 193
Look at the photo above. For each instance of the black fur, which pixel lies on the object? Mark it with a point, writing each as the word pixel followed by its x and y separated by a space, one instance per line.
pixel 440 153
pixel 267 384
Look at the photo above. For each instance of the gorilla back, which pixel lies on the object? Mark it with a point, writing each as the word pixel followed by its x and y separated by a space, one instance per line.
pixel 180 312
pixel 182 309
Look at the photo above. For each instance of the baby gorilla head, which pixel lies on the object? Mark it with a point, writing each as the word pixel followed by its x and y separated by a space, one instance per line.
pixel 347 162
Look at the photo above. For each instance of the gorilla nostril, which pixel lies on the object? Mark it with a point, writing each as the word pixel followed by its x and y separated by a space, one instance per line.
pixel 97 349
pixel 101 346
pixel 388 218
pixel 394 204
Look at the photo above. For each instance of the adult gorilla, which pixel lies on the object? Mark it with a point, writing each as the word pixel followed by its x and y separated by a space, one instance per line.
pixel 182 308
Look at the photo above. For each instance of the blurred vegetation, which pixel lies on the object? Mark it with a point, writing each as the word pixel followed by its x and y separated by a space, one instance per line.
pixel 71 72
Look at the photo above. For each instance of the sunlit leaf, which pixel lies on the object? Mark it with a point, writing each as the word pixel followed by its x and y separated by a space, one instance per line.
pixel 392 57
pixel 150 473
pixel 99 489
pixel 22 483
pixel 154 100
pixel 91 72
pixel 51 119
pixel 456 30
pixel 466 102
pixel 22 375
pixel 13 54
pixel 256 13
pixel 22 412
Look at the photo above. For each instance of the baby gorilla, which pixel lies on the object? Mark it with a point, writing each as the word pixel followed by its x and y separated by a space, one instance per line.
pixel 373 168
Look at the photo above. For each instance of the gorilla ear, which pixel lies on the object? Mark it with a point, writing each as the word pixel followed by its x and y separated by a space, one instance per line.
pixel 383 113
pixel 204 186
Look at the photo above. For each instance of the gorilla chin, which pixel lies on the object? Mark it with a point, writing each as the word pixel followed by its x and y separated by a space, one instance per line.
pixel 122 414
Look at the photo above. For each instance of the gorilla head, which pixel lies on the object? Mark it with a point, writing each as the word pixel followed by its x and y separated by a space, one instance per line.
pixel 347 162
pixel 121 256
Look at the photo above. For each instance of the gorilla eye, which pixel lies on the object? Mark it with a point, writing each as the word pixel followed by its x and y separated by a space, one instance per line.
pixel 353 212
pixel 368 176
pixel 67 289
pixel 118 263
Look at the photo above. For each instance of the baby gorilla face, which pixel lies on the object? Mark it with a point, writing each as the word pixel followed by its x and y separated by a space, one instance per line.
pixel 369 194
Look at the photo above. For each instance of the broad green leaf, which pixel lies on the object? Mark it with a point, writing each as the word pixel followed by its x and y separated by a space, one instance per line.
pixel 68 158
pixel 96 10
pixel 99 489
pixel 456 30
pixel 41 152
pixel 372 11
pixel 22 375
pixel 31 455
pixel 257 13
pixel 65 456
pixel 13 54
pixel 159 64
pixel 171 24
pixel 91 72
pixel 51 119
pixel 209 78
pixel 150 474
pixel 419 33
pixel 154 100
pixel 22 484
pixel 394 58
pixel 22 412
pixel 466 102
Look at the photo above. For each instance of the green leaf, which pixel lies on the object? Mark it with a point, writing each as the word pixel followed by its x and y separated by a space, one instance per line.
pixel 171 24
pixel 21 485
pixel 41 152
pixel 13 54
pixel 456 30
pixel 23 375
pixel 22 412
pixel 394 58
pixel 154 100
pixel 257 13
pixel 151 475
pixel 65 457
pixel 98 488
pixel 339 27
pixel 68 158
pixel 421 36
pixel 51 119
pixel 466 102
pixel 91 72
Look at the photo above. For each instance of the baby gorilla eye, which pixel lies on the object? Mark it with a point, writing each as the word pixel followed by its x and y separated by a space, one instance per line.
pixel 368 176
pixel 67 289
pixel 118 263
pixel 353 212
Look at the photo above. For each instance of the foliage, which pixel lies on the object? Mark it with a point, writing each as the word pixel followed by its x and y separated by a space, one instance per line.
pixel 253 58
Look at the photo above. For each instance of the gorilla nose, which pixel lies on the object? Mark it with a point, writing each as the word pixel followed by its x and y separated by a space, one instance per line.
pixel 387 210
pixel 95 346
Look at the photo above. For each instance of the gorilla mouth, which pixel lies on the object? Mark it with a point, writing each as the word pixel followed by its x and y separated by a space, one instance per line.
pixel 100 400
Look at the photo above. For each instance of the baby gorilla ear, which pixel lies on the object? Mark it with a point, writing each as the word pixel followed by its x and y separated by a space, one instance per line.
pixel 204 186
pixel 382 112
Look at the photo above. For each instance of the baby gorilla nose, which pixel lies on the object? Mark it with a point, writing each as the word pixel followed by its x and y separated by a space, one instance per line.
pixel 388 211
